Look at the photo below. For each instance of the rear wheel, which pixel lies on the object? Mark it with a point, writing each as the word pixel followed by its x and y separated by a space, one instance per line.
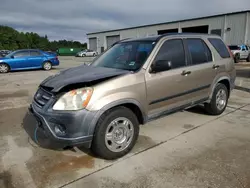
pixel 116 133
pixel 94 54
pixel 4 68
pixel 219 100
pixel 237 58
pixel 47 65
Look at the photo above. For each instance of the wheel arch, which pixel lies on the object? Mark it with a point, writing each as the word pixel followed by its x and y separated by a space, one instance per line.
pixel 131 104
pixel 6 64
pixel 224 80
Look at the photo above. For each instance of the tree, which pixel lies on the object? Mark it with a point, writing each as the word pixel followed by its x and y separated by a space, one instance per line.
pixel 10 39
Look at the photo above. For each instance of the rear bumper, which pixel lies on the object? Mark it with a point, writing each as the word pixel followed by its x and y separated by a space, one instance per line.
pixel 42 132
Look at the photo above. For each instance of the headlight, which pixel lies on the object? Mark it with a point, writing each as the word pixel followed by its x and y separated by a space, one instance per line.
pixel 74 100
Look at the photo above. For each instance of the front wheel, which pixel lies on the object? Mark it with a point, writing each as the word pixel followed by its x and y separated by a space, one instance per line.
pixel 4 68
pixel 47 66
pixel 116 133
pixel 219 100
pixel 248 58
pixel 237 58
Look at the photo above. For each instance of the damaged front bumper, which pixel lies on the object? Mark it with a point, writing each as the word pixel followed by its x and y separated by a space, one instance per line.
pixel 57 130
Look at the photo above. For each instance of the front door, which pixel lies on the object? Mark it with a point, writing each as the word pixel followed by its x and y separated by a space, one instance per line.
pixel 20 60
pixel 244 52
pixel 168 90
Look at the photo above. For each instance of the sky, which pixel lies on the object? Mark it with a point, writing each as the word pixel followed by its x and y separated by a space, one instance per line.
pixel 72 19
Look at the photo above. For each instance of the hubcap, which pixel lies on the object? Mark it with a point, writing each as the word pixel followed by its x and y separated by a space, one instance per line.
pixel 119 134
pixel 47 66
pixel 221 99
pixel 3 68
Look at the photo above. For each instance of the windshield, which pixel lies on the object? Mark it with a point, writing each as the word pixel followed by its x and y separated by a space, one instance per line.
pixel 127 55
pixel 234 47
pixel 10 54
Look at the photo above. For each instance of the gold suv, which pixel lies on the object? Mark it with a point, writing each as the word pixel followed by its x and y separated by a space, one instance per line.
pixel 101 106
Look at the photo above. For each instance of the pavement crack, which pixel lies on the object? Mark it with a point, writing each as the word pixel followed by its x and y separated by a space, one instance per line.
pixel 236 176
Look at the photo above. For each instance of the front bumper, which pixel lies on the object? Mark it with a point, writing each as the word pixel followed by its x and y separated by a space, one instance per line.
pixel 74 128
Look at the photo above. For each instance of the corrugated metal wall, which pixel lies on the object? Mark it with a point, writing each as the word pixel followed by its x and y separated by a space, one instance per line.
pixel 93 44
pixel 112 39
pixel 237 23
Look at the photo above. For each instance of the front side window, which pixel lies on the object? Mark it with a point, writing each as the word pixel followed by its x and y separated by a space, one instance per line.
pixel 172 51
pixel 126 55
pixel 21 54
pixel 243 47
pixel 199 51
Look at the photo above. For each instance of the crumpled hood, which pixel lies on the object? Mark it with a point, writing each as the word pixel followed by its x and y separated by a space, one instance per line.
pixel 79 75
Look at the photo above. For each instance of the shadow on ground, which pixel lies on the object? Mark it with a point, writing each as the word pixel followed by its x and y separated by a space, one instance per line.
pixel 242 89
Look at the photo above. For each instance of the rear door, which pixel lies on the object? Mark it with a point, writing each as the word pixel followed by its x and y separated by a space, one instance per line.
pixel 174 88
pixel 36 58
pixel 201 66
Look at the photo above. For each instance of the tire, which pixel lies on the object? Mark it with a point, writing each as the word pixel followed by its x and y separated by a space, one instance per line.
pixel 237 58
pixel 248 58
pixel 94 55
pixel 83 55
pixel 104 146
pixel 4 68
pixel 47 65
pixel 216 106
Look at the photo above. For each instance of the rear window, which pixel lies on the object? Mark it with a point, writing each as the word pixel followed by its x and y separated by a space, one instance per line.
pixel 220 47
pixel 234 47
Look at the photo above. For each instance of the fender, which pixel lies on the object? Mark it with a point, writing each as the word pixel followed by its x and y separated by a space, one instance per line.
pixel 216 82
pixel 112 105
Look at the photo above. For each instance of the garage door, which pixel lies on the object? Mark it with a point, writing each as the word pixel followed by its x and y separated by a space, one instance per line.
pixel 112 39
pixel 93 44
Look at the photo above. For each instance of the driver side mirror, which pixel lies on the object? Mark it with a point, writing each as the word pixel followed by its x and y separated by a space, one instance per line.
pixel 12 57
pixel 160 66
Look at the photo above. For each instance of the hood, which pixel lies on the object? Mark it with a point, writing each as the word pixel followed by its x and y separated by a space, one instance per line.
pixel 80 75
pixel 3 58
pixel 235 51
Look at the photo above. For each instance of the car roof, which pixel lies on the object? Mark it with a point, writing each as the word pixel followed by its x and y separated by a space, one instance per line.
pixel 158 37
pixel 23 50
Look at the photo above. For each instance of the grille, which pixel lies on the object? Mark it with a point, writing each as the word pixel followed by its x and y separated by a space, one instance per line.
pixel 42 97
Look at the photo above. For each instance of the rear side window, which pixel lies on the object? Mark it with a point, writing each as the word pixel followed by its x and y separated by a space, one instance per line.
pixel 34 53
pixel 172 50
pixel 199 51
pixel 220 47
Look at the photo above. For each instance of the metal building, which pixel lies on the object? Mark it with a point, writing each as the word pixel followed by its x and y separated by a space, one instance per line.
pixel 233 27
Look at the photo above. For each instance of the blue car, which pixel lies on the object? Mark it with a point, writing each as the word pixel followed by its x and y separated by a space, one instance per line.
pixel 28 59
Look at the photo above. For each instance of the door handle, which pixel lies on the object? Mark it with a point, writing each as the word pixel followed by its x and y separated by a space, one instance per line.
pixel 185 73
pixel 216 66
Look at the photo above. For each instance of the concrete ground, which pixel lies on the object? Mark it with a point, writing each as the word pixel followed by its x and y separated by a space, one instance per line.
pixel 186 149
